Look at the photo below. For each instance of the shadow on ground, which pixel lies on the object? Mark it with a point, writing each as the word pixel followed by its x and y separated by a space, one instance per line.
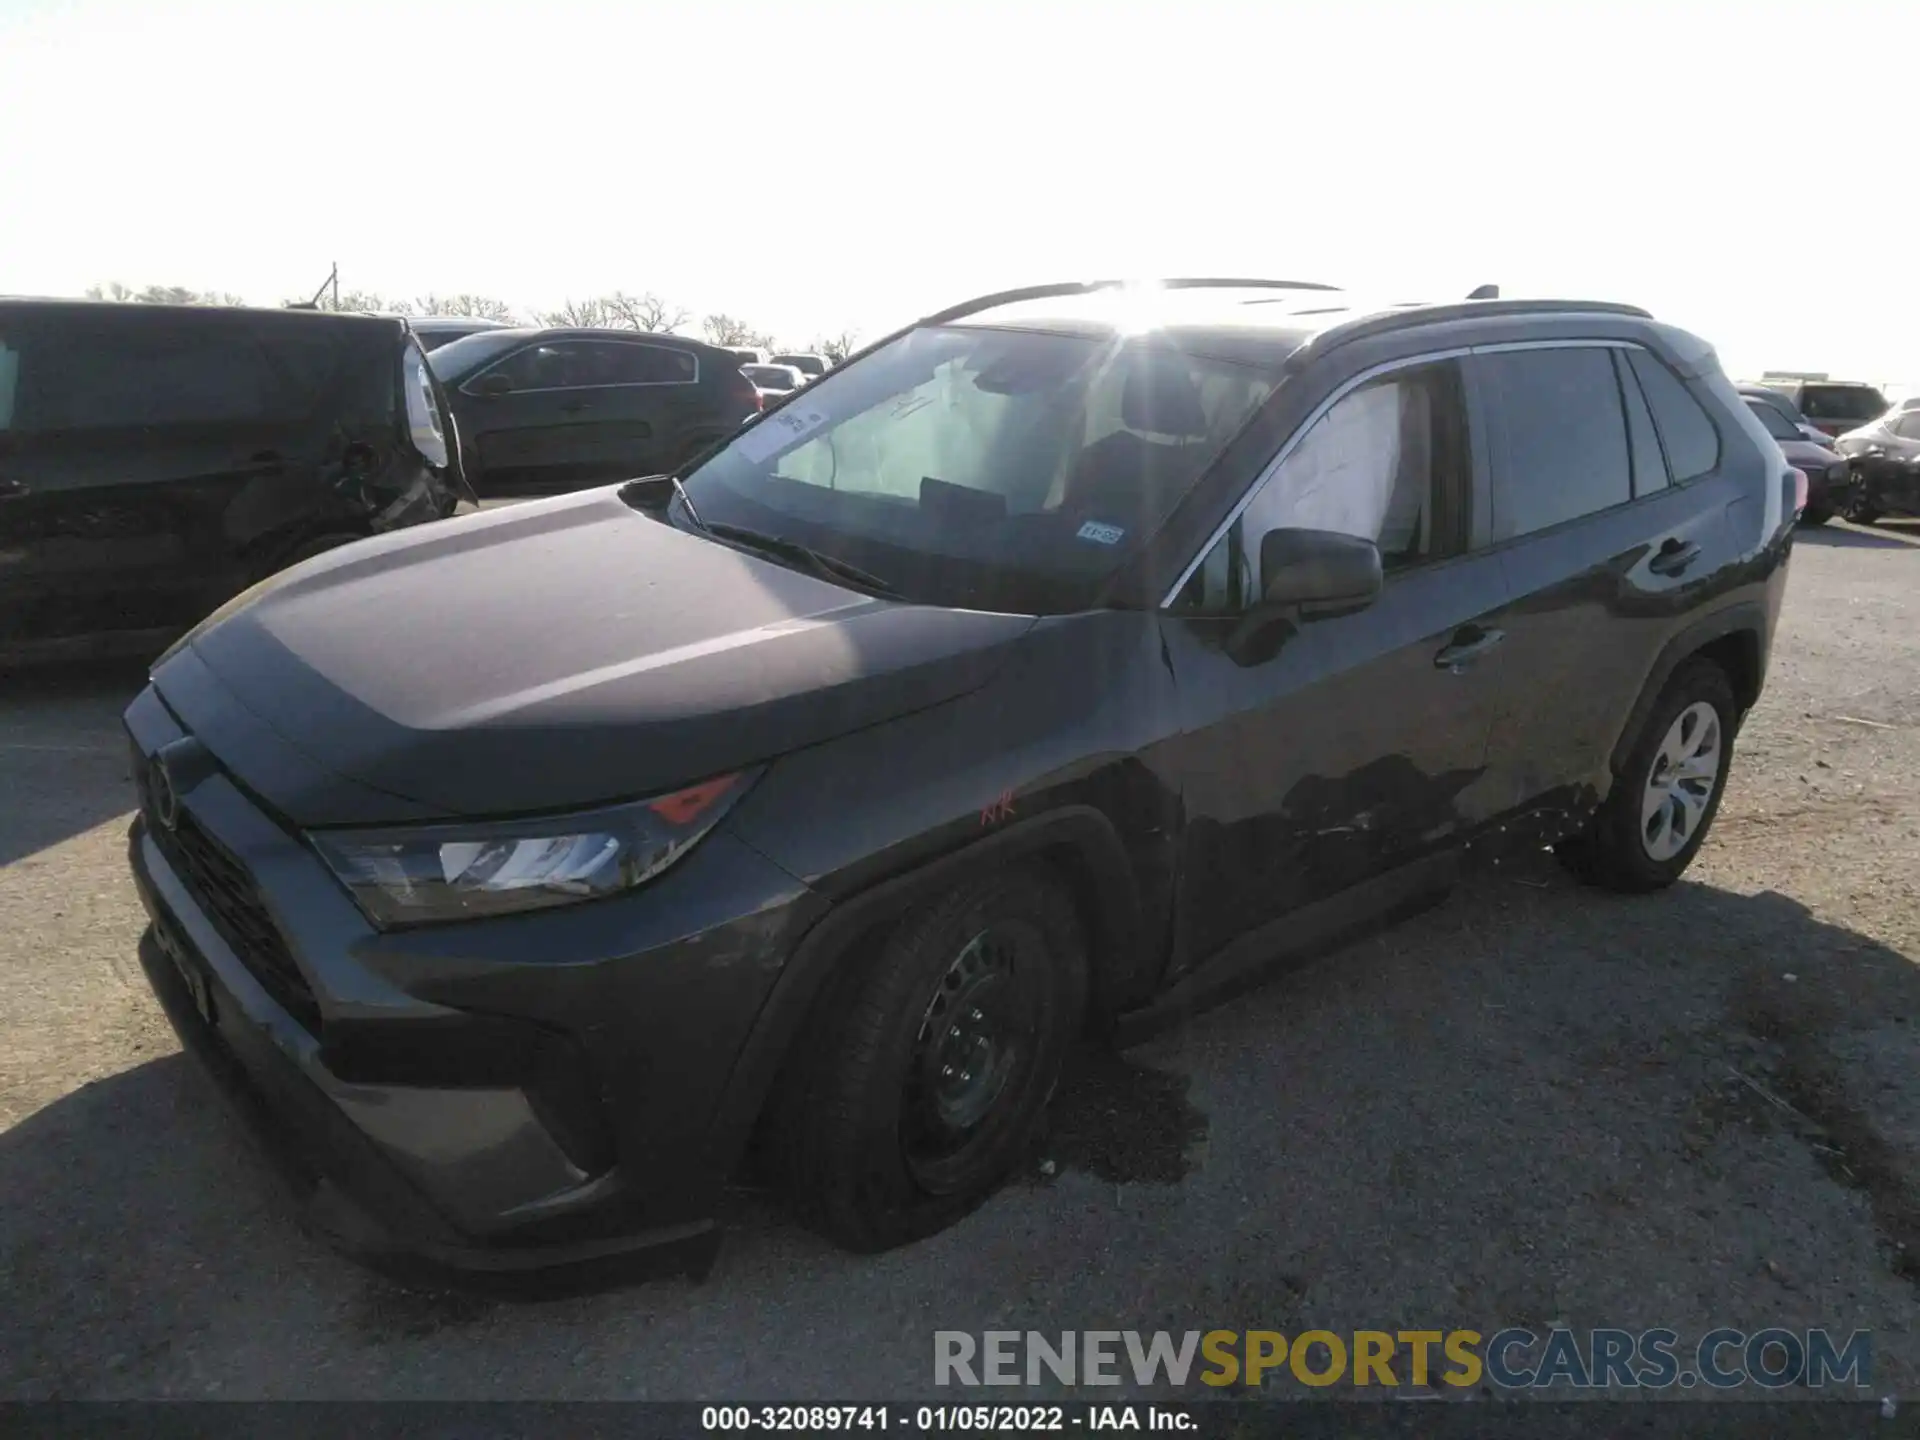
pixel 63 757
pixel 1859 537
pixel 1533 1104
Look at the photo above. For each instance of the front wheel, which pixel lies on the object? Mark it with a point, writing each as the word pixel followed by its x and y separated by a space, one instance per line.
pixel 920 1082
pixel 1664 800
pixel 1860 510
pixel 1815 515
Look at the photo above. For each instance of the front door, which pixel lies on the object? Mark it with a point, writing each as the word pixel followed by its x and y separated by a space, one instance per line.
pixel 1362 741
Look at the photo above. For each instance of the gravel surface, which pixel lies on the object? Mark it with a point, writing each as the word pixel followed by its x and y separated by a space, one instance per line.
pixel 1535 1103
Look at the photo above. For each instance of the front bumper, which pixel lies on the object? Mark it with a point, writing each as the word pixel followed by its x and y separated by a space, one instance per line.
pixel 522 1105
pixel 1829 492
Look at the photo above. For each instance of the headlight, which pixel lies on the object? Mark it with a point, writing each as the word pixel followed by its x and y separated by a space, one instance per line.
pixel 423 416
pixel 421 875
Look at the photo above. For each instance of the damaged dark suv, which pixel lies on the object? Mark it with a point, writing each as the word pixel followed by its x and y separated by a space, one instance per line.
pixel 157 459
pixel 1056 665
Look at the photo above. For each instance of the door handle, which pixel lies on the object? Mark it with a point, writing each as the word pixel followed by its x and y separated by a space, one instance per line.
pixel 11 490
pixel 1674 556
pixel 1469 643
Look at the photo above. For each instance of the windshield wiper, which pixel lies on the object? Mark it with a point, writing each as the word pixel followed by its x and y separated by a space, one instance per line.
pixel 825 566
pixel 687 500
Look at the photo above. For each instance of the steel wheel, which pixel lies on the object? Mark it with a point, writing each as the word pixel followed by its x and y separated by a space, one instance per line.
pixel 1681 782
pixel 975 1037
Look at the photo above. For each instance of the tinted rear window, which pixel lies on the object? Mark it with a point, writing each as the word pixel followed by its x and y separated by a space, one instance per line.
pixel 1560 437
pixel 92 376
pixel 1858 403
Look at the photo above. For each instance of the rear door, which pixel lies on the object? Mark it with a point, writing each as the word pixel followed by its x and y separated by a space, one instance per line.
pixel 130 433
pixel 1608 516
pixel 1361 742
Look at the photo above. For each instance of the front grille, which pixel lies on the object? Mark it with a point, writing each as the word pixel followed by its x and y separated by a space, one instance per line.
pixel 219 883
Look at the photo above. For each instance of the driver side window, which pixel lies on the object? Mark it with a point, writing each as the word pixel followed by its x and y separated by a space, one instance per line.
pixel 1387 463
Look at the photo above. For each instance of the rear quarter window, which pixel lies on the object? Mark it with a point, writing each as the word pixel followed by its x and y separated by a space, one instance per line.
pixel 1687 434
pixel 9 381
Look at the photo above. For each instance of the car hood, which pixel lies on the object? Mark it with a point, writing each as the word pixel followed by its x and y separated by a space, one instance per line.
pixel 1802 453
pixel 550 655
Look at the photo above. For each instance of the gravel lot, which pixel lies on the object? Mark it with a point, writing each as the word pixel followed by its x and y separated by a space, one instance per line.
pixel 1533 1104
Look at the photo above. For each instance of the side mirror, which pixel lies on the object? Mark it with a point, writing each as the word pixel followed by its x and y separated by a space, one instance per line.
pixel 492 383
pixel 1322 572
pixel 1305 574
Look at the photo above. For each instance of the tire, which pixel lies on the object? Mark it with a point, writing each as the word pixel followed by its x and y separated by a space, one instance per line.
pixel 1632 849
pixel 1815 515
pixel 1860 512
pixel 875 1138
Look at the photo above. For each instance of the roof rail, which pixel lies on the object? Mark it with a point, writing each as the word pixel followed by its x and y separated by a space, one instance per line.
pixel 1381 322
pixel 1087 287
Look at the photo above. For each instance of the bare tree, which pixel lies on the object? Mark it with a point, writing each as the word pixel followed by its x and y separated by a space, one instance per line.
pixel 646 312
pixel 837 347
pixel 581 315
pixel 724 330
pixel 483 307
pixel 114 291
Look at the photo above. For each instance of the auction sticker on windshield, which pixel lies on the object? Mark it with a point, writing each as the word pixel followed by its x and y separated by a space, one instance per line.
pixel 786 426
pixel 1100 533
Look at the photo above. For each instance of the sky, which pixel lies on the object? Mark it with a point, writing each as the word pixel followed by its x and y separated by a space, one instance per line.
pixel 827 165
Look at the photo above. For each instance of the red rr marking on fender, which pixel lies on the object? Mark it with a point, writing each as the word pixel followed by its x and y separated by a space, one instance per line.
pixel 1000 809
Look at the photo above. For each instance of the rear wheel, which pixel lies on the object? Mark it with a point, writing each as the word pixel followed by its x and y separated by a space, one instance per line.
pixel 919 1083
pixel 1664 801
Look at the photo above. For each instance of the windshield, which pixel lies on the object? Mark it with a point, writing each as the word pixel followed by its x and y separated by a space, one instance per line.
pixel 1777 424
pixel 986 469
pixel 805 364
pixel 769 377
pixel 1858 403
pixel 458 359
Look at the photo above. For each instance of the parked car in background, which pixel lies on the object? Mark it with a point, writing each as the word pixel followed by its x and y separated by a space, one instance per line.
pixel 1783 407
pixel 437 330
pixel 155 460
pixel 1885 456
pixel 811 366
pixel 1832 407
pixel 1077 655
pixel 1829 477
pixel 774 382
pixel 547 410
pixel 749 357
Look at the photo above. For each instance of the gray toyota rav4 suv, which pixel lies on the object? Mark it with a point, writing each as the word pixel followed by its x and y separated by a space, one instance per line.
pixel 1049 669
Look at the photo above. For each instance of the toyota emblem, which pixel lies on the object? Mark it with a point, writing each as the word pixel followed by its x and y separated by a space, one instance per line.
pixel 166 800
